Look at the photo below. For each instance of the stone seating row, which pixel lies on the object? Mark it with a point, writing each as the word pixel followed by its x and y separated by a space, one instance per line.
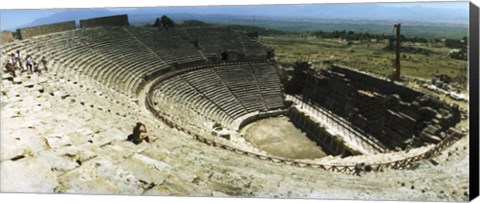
pixel 221 94
pixel 241 82
pixel 124 58
pixel 136 59
pixel 209 84
pixel 270 85
pixel 109 55
pixel 213 40
pixel 179 92
pixel 170 45
pixel 98 67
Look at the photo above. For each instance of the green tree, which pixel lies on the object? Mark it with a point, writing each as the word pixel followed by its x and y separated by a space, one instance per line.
pixel 157 23
pixel 164 22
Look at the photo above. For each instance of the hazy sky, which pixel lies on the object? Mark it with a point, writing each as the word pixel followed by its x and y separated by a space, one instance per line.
pixel 13 18
pixel 445 5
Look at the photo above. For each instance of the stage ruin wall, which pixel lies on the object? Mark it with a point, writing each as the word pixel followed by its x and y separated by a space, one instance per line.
pixel 29 32
pixel 334 144
pixel 396 115
pixel 7 37
pixel 118 20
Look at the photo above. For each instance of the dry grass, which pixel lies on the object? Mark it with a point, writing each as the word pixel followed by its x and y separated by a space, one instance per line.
pixel 365 56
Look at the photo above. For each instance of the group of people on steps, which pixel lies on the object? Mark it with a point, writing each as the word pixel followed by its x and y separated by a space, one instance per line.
pixel 16 62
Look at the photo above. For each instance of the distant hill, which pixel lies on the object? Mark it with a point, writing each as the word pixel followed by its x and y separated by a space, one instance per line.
pixel 292 12
pixel 70 14
pixel 375 18
pixel 325 11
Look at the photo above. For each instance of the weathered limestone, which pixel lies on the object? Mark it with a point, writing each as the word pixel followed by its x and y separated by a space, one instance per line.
pixel 6 37
pixel 55 141
pixel 78 143
pixel 28 141
pixel 221 94
pixel 25 33
pixel 100 176
pixel 27 175
pixel 176 164
pixel 390 112
pixel 118 20
pixel 58 161
pixel 156 51
pixel 109 136
pixel 242 49
pixel 149 172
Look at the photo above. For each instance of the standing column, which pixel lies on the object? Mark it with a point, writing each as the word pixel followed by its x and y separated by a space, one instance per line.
pixel 397 57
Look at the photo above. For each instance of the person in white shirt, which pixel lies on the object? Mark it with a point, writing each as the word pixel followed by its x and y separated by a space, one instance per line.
pixel 10 61
pixel 18 59
pixel 13 58
pixel 29 64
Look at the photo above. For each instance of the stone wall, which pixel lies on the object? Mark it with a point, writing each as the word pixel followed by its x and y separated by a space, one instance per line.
pixel 396 115
pixel 293 85
pixel 381 85
pixel 253 117
pixel 332 144
pixel 25 33
pixel 118 20
pixel 6 37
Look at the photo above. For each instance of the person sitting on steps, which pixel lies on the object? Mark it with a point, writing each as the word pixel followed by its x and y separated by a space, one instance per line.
pixel 139 134
pixel 11 68
pixel 13 60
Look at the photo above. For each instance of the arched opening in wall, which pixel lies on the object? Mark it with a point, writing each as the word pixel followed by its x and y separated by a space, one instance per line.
pixel 196 44
pixel 225 56
pixel 270 54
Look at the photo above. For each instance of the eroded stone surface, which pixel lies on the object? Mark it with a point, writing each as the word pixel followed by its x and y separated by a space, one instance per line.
pixel 57 161
pixel 29 141
pixel 84 154
pixel 100 176
pixel 27 175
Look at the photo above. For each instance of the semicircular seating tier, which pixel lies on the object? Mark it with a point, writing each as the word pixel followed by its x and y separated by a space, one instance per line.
pixel 220 94
pixel 125 58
